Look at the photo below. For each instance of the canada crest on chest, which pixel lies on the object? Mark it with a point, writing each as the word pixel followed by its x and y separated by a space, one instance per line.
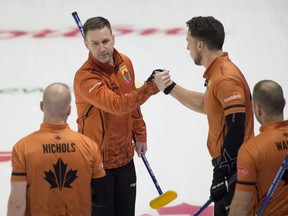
pixel 125 74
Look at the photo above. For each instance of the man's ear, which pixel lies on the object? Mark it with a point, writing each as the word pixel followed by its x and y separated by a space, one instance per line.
pixel 200 45
pixel 41 106
pixel 113 38
pixel 69 110
pixel 258 110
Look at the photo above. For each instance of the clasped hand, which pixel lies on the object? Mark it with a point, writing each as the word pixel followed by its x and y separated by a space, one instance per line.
pixel 161 78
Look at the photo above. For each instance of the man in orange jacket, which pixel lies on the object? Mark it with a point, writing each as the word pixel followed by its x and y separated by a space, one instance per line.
pixel 108 108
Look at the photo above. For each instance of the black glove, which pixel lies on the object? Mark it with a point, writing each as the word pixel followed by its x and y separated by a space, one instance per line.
pixel 151 77
pixel 285 177
pixel 219 185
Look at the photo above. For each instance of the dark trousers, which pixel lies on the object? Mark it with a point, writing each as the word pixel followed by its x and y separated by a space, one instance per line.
pixel 122 182
pixel 222 207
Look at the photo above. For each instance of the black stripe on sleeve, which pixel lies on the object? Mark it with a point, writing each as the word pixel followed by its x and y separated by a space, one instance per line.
pixel 246 183
pixel 235 105
pixel 18 174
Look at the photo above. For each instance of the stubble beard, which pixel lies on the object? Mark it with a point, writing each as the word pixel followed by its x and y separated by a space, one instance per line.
pixel 198 59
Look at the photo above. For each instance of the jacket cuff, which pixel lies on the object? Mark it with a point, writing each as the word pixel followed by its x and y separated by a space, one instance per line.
pixel 153 89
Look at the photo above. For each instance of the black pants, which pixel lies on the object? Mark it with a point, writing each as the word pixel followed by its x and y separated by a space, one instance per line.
pixel 122 182
pixel 222 207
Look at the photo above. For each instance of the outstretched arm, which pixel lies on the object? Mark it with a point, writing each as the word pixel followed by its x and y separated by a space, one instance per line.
pixel 191 99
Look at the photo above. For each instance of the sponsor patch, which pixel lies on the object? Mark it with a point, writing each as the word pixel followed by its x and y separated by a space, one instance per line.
pixel 232 97
pixel 242 171
pixel 125 73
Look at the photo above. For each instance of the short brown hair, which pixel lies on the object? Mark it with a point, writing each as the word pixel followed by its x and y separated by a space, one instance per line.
pixel 96 23
pixel 209 30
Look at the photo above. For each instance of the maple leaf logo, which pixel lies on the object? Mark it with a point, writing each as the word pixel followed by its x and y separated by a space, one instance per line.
pixel 59 178
pixel 57 137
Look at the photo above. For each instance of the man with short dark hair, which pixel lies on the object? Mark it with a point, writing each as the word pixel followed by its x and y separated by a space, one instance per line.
pixel 108 108
pixel 226 102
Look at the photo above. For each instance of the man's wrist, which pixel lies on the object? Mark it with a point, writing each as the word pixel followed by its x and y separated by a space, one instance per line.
pixel 168 89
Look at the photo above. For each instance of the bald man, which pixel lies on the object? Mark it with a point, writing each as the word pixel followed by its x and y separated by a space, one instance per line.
pixel 260 158
pixel 54 168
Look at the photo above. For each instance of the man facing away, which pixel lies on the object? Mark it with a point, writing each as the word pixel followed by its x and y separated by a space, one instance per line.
pixel 226 102
pixel 54 168
pixel 260 158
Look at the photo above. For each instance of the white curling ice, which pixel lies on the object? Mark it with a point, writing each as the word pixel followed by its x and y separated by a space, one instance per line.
pixel 256 39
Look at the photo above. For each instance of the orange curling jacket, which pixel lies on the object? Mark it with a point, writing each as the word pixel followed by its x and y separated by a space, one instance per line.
pixel 227 92
pixel 108 107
